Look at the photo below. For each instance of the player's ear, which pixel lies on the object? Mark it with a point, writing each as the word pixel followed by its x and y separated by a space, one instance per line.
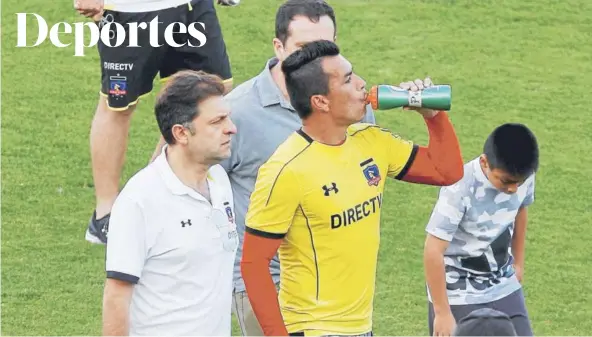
pixel 483 161
pixel 278 49
pixel 319 102
pixel 181 134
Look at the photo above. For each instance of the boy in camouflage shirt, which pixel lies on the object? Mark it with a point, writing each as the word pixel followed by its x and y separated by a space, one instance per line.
pixel 474 250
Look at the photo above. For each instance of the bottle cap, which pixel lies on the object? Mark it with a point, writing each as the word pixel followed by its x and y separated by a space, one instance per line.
pixel 372 97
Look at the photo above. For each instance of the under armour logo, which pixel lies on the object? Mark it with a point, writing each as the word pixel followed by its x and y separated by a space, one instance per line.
pixel 329 189
pixel 186 223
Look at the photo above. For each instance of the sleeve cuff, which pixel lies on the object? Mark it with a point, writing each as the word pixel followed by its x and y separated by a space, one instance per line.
pixel 410 160
pixel 440 234
pixel 263 234
pixel 122 276
pixel 527 203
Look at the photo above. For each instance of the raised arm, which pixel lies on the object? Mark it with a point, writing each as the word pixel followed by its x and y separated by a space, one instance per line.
pixel 440 163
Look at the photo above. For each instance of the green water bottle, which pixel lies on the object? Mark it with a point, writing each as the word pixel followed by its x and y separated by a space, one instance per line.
pixel 384 97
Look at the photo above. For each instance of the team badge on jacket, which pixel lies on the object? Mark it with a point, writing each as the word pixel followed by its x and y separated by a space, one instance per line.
pixel 229 214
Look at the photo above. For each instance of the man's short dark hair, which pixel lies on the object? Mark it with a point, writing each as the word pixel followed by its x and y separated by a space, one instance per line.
pixel 312 9
pixel 305 76
pixel 179 99
pixel 513 148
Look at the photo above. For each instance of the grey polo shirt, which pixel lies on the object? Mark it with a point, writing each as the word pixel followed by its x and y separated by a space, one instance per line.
pixel 264 120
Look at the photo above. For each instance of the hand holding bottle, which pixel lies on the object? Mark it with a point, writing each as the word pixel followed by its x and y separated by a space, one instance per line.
pixel 421 96
pixel 416 89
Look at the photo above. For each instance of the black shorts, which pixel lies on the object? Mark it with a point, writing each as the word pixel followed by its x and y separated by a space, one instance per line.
pixel 127 72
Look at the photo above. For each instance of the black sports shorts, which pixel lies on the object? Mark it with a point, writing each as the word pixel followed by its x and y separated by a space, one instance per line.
pixel 127 72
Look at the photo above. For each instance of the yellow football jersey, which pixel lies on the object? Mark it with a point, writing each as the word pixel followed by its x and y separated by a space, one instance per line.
pixel 325 202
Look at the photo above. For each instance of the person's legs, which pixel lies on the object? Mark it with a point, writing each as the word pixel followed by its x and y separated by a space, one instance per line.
pixel 108 143
pixel 514 305
pixel 127 75
pixel 212 57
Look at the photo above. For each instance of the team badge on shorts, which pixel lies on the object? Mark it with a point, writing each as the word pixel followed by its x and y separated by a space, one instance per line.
pixel 117 87
pixel 371 172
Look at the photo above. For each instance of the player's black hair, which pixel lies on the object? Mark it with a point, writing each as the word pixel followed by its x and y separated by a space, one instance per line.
pixel 179 99
pixel 512 147
pixel 312 9
pixel 305 76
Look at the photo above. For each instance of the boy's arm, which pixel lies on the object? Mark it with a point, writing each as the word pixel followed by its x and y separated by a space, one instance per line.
pixel 435 273
pixel 519 236
pixel 272 207
pixel 444 221
pixel 519 241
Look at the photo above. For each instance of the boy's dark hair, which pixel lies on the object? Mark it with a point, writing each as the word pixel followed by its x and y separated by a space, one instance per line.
pixel 312 9
pixel 305 76
pixel 512 147
pixel 178 101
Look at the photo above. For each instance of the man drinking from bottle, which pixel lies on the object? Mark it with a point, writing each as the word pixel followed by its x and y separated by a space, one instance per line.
pixel 318 199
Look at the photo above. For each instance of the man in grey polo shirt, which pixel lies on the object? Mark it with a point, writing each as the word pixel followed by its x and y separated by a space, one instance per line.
pixel 264 119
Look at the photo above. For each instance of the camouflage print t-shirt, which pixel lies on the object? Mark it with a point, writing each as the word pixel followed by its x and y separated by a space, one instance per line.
pixel 478 221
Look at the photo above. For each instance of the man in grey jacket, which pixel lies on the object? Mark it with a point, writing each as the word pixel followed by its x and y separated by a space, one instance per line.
pixel 264 118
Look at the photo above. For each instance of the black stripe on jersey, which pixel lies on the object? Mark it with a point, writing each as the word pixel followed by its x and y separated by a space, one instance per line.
pixel 412 156
pixel 365 162
pixel 263 234
pixel 407 166
pixel 304 135
pixel 314 251
pixel 122 276
pixel 366 128
pixel 282 169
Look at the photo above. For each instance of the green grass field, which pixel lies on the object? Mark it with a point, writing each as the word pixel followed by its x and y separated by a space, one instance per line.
pixel 521 61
